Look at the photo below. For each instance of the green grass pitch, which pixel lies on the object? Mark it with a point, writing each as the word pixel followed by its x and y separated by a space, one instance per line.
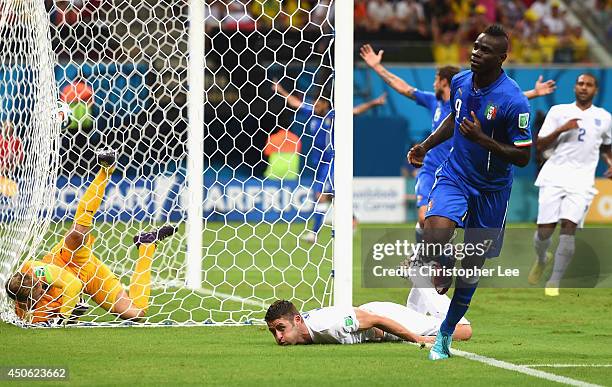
pixel 519 326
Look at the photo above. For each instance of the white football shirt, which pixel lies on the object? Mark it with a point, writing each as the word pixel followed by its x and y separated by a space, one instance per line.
pixel 339 325
pixel 334 325
pixel 576 152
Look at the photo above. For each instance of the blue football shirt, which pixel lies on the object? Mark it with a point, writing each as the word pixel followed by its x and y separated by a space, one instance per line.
pixel 322 131
pixel 439 110
pixel 503 112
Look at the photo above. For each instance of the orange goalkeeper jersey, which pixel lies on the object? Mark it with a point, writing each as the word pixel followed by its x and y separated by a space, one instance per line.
pixel 62 290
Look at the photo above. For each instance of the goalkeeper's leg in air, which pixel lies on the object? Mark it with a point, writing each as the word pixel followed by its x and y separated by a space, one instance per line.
pixel 39 289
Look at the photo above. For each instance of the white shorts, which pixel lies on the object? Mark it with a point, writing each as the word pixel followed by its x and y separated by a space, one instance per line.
pixel 555 203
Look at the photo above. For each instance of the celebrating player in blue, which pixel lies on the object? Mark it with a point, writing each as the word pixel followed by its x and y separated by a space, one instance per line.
pixel 320 126
pixel 489 126
pixel 438 104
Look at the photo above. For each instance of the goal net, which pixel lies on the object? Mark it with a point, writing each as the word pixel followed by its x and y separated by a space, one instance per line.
pixel 221 112
pixel 29 133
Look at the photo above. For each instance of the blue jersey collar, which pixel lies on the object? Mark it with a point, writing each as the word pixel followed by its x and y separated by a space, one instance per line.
pixel 486 90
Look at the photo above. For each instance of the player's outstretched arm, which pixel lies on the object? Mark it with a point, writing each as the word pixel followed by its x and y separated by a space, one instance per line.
pixel 364 107
pixel 373 60
pixel 473 130
pixel 541 88
pixel 544 142
pixel 369 320
pixel 292 100
pixel 441 134
pixel 606 155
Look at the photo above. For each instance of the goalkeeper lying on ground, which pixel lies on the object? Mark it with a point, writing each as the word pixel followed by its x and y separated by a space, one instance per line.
pixel 47 291
pixel 418 321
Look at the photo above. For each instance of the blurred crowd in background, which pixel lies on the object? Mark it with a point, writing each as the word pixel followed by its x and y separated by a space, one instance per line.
pixel 247 15
pixel 540 30
pixel 440 30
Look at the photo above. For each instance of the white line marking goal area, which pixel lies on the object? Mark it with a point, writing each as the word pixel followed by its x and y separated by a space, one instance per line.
pixel 567 365
pixel 525 369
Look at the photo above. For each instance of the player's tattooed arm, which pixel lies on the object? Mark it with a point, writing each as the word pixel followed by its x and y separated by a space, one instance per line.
pixel 373 60
pixel 369 320
pixel 544 142
pixel 606 155
pixel 473 130
pixel 441 134
pixel 541 88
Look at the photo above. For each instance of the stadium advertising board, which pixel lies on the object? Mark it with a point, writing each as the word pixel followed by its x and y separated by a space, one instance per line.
pixel 379 199
pixel 601 208
pixel 161 199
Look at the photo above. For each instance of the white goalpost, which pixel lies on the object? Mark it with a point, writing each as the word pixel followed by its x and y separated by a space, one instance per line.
pixel 195 150
pixel 222 113
pixel 343 202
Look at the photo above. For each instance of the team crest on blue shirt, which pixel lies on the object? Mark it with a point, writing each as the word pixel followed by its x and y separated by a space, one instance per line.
pixel 491 111
pixel 597 122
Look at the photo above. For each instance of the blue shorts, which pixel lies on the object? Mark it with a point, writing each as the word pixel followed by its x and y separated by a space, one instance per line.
pixel 324 177
pixel 424 182
pixel 482 214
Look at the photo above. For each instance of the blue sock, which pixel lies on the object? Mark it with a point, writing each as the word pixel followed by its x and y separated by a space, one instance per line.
pixel 317 220
pixel 458 306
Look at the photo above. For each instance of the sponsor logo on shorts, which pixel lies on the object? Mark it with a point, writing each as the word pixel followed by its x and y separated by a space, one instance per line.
pixel 430 205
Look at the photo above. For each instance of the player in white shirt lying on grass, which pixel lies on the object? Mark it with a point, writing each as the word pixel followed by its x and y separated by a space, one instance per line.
pixel 574 134
pixel 417 322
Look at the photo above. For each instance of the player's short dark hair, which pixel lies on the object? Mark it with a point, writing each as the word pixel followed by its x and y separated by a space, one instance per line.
pixel 281 309
pixel 18 287
pixel 498 30
pixel 588 75
pixel 448 72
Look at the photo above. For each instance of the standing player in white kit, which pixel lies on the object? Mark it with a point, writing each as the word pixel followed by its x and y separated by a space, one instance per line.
pixel 576 133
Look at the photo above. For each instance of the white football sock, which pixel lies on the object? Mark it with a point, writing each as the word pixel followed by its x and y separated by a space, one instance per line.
pixel 563 256
pixel 418 231
pixel 428 301
pixel 414 297
pixel 541 246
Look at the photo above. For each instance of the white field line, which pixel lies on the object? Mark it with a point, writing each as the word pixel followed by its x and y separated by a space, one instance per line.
pixel 566 365
pixel 208 292
pixel 523 369
pixel 164 283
